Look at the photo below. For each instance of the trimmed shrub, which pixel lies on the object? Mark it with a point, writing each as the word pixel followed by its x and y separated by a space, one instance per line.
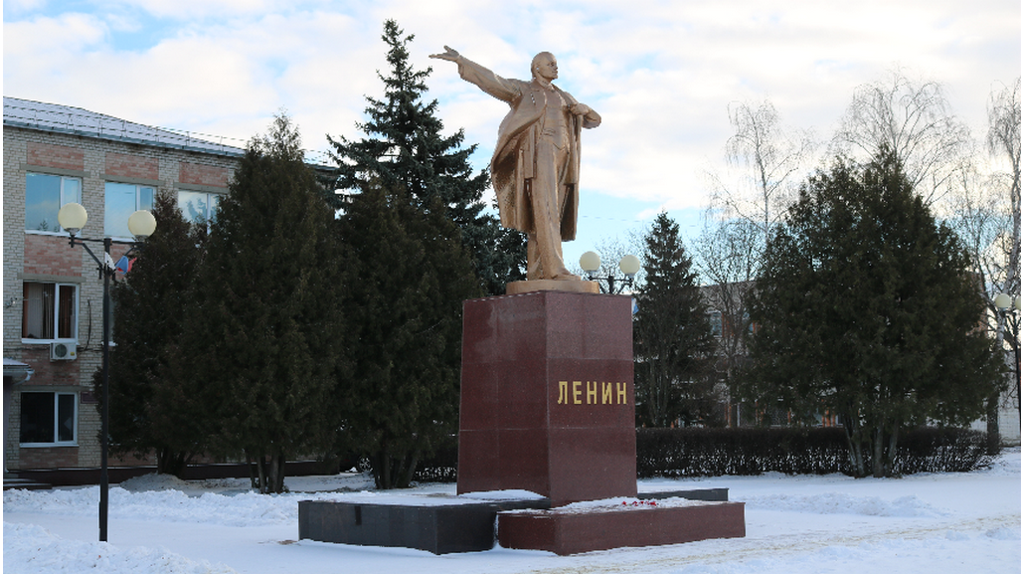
pixel 693 451
pixel 749 451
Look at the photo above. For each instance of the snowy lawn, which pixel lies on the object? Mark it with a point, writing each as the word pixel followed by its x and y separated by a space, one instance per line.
pixel 929 523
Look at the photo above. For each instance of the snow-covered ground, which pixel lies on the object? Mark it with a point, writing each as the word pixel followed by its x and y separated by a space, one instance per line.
pixel 929 523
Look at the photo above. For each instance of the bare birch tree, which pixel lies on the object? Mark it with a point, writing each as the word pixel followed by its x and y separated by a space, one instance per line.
pixel 769 157
pixel 915 122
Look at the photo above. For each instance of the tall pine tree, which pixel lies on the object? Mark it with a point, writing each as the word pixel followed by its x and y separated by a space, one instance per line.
pixel 152 303
pixel 672 341
pixel 406 316
pixel 405 149
pixel 867 309
pixel 265 347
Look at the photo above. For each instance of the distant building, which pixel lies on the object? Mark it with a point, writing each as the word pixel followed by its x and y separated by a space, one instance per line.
pixel 52 293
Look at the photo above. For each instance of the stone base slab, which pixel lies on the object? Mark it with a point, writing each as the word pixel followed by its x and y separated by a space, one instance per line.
pixel 567 532
pixel 441 529
pixel 569 286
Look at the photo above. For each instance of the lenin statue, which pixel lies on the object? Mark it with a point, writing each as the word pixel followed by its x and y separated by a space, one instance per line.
pixel 536 163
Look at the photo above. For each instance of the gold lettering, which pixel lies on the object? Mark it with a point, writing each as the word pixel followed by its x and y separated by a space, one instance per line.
pixel 563 392
pixel 621 388
pixel 576 392
pixel 606 393
pixel 591 392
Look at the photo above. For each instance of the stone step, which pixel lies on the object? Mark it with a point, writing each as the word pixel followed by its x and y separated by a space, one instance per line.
pixel 24 483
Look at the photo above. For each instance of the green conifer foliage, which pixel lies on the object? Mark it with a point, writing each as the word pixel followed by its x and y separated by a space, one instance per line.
pixel 151 303
pixel 406 313
pixel 405 149
pixel 265 345
pixel 672 339
pixel 866 310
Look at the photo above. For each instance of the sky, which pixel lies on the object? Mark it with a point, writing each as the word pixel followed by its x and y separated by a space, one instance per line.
pixel 662 74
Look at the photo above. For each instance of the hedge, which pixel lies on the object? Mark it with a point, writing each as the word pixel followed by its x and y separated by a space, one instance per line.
pixel 692 451
pixel 750 451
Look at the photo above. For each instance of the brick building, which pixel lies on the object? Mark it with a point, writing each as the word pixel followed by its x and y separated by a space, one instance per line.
pixel 52 293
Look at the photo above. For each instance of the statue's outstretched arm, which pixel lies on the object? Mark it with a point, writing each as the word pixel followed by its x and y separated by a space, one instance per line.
pixel 449 54
pixel 486 80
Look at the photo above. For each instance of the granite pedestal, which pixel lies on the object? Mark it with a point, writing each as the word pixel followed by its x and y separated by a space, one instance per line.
pixel 547 396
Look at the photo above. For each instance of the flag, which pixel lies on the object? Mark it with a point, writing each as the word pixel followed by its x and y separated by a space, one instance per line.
pixel 124 265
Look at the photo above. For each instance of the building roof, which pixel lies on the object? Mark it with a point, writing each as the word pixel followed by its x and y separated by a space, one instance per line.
pixel 30 114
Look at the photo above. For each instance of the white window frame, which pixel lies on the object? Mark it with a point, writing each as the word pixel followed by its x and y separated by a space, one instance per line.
pixel 64 199
pixel 56 420
pixel 108 220
pixel 56 314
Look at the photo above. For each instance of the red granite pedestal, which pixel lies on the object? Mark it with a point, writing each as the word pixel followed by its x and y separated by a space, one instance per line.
pixel 548 406
pixel 571 532
pixel 547 396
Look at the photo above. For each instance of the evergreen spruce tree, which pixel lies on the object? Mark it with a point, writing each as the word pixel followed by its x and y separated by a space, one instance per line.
pixel 406 313
pixel 867 309
pixel 152 302
pixel 264 349
pixel 672 341
pixel 405 149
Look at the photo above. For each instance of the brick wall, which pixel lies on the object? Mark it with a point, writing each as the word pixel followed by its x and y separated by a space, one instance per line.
pixel 135 166
pixel 49 372
pixel 52 255
pixel 50 457
pixel 58 156
pixel 208 175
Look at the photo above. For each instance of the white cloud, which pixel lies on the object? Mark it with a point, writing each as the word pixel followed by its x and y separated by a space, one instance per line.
pixel 20 6
pixel 660 73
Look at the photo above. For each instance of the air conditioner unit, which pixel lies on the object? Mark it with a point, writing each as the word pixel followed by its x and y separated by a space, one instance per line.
pixel 65 351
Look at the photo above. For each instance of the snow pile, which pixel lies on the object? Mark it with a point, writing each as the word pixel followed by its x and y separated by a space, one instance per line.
pixel 343 482
pixel 511 494
pixel 154 481
pixel 841 503
pixel 1004 533
pixel 1006 464
pixel 30 548
pixel 617 504
pixel 244 509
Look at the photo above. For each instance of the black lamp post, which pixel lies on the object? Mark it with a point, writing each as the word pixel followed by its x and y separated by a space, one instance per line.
pixel 590 262
pixel 141 224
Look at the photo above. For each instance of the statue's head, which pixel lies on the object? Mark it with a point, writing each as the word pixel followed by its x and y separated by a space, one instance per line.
pixel 544 66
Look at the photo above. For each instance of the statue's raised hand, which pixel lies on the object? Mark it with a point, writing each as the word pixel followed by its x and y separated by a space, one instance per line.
pixel 449 54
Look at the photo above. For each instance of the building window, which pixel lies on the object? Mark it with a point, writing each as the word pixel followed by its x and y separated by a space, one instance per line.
pixel 715 320
pixel 48 418
pixel 122 200
pixel 44 196
pixel 198 206
pixel 49 311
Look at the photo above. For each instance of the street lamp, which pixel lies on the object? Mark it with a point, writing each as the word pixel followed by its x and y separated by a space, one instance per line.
pixel 1002 303
pixel 629 265
pixel 141 224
